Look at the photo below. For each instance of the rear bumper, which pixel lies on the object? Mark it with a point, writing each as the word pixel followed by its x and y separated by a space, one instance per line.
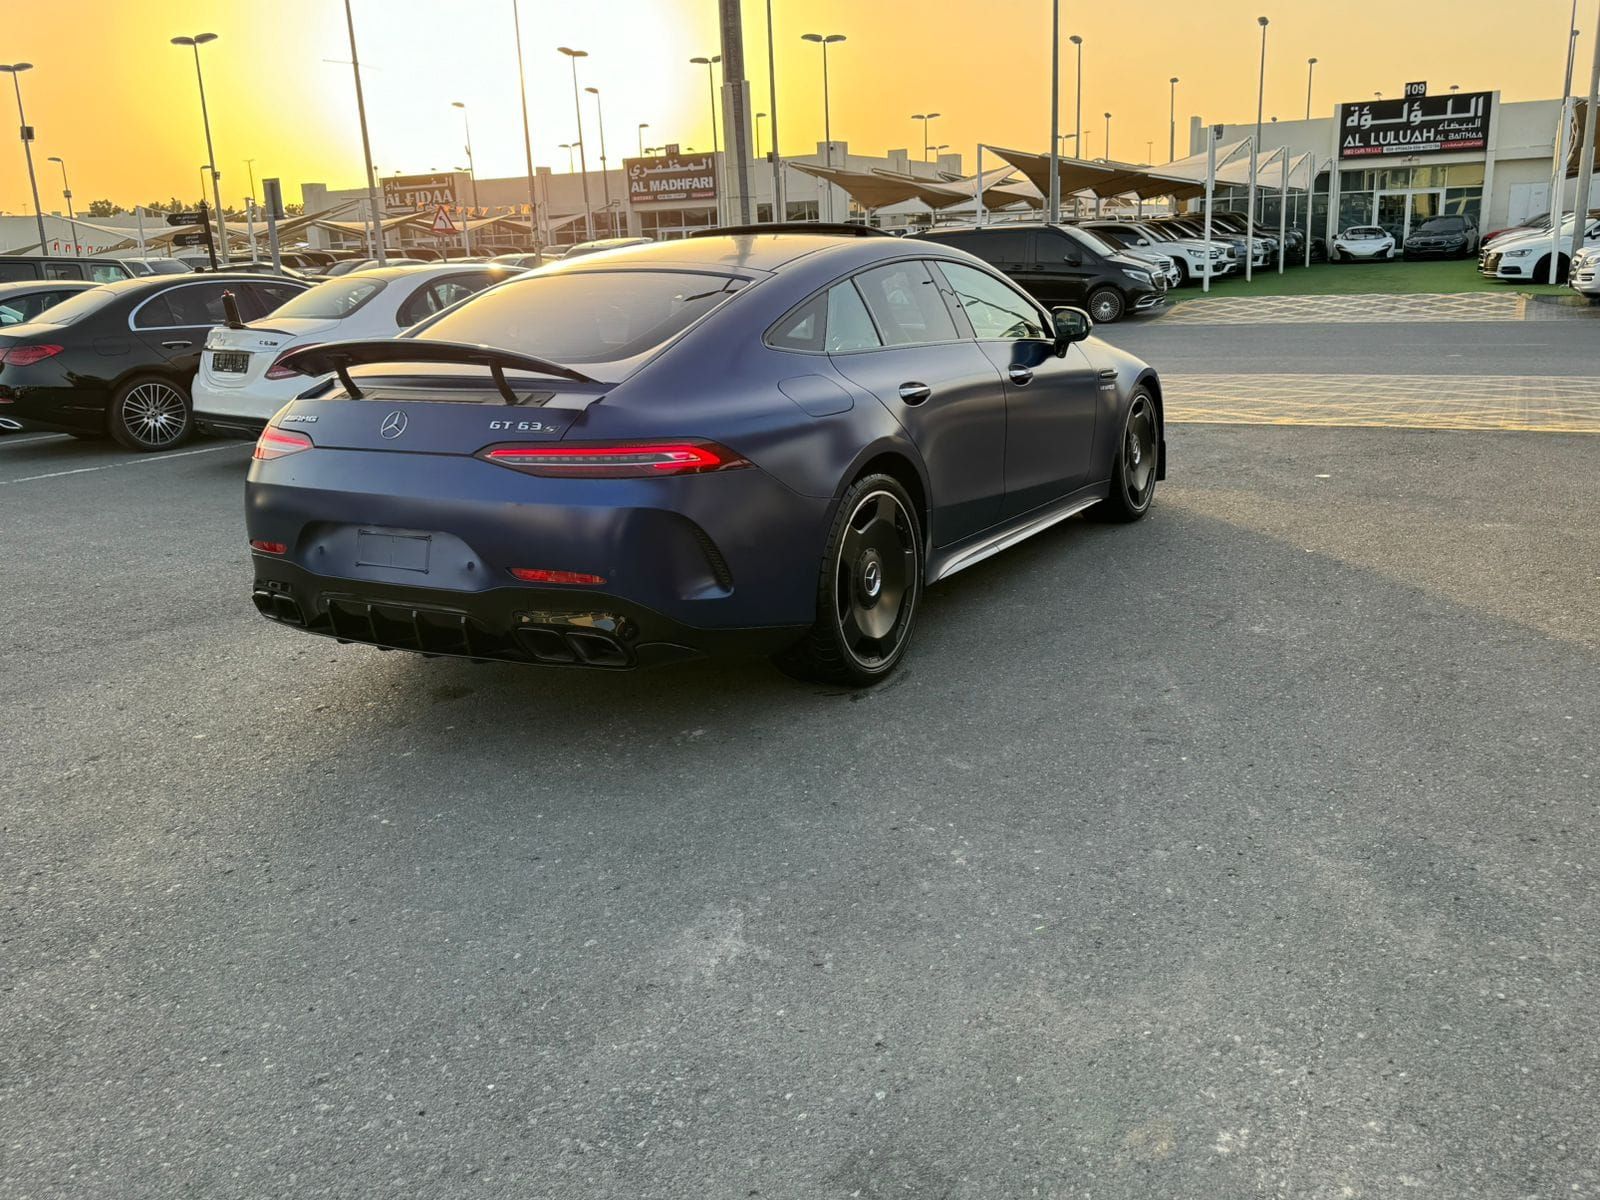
pixel 229 427
pixel 66 409
pixel 542 626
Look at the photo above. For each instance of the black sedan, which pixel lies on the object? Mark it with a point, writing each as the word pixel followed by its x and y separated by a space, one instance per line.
pixel 118 359
pixel 771 441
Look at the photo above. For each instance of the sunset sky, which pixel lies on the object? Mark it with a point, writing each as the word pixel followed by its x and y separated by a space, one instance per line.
pixel 111 96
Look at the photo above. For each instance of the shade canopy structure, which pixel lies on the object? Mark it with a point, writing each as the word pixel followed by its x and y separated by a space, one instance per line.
pixel 878 189
pixel 1103 179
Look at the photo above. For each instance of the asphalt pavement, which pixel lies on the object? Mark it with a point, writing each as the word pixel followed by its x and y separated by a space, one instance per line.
pixel 1248 851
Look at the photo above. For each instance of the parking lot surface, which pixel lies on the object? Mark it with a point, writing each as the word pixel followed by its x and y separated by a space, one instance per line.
pixel 1246 851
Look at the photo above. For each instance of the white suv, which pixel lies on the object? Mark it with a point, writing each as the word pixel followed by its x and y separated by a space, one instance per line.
pixel 1188 253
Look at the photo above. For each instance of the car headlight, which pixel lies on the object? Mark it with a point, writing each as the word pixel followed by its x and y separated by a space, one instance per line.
pixel 1216 252
pixel 1517 253
pixel 1137 275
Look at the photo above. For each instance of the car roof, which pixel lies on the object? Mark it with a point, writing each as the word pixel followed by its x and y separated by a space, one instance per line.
pixel 414 270
pixel 758 252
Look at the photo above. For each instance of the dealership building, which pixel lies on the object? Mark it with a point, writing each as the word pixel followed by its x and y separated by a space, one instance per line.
pixel 1396 162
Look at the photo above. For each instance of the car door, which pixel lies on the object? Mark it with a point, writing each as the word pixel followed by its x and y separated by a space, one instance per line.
pixel 1065 268
pixel 942 389
pixel 174 322
pixel 1052 400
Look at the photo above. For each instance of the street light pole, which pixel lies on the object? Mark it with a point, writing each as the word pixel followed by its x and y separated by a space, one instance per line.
pixel 1053 195
pixel 924 118
pixel 605 178
pixel 472 174
pixel 1311 68
pixel 760 116
pixel 194 43
pixel 643 125
pixel 1078 118
pixel 1580 199
pixel 374 209
pixel 569 147
pixel 66 192
pixel 700 60
pixel 527 132
pixel 15 69
pixel 779 208
pixel 583 162
pixel 827 111
pixel 1108 137
pixel 1172 119
pixel 1558 182
pixel 1255 153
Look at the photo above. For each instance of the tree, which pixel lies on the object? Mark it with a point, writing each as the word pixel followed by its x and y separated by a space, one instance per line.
pixel 103 208
pixel 294 210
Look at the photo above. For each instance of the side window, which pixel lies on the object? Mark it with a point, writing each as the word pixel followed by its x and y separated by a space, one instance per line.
pixel 18 309
pixel 835 321
pixel 270 297
pixel 438 296
pixel 107 272
pixel 849 326
pixel 63 270
pixel 995 309
pixel 195 304
pixel 1007 246
pixel 10 271
pixel 905 304
pixel 1057 246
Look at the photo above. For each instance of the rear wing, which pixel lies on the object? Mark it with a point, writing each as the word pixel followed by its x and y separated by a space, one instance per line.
pixel 338 357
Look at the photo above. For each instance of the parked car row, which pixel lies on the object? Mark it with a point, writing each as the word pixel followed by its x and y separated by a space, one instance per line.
pixel 1523 254
pixel 121 359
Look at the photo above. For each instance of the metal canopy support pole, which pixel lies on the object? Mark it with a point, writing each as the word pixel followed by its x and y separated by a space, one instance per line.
pixel 979 183
pixel 1311 197
pixel 1283 212
pixel 1558 173
pixel 736 123
pixel 373 207
pixel 1055 113
pixel 1211 185
pixel 1255 154
pixel 780 209
pixel 1580 199
pixel 527 132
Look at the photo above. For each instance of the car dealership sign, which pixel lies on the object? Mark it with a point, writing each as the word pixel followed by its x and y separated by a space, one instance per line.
pixel 671 178
pixel 1415 125
pixel 414 192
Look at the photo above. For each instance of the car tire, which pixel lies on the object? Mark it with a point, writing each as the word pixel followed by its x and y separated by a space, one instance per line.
pixel 1135 464
pixel 1183 273
pixel 151 413
pixel 868 588
pixel 1105 305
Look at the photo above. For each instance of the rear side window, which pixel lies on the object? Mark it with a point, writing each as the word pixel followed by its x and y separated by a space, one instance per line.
pixel 64 270
pixel 996 310
pixel 196 304
pixel 585 316
pixel 440 295
pixel 905 304
pixel 272 296
pixel 14 271
pixel 834 321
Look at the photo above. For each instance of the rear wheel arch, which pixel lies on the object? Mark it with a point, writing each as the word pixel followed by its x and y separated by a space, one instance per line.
pixel 901 469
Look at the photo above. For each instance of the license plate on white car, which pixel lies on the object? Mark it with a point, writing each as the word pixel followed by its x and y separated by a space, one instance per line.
pixel 230 362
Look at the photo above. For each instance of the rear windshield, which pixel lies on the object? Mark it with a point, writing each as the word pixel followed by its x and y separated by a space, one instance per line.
pixel 332 300
pixel 583 316
pixel 76 307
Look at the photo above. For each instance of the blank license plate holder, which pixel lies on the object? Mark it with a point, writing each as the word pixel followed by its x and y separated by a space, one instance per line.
pixel 397 551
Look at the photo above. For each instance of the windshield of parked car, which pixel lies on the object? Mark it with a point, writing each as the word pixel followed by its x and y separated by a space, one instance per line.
pixel 584 316
pixel 1364 234
pixel 1084 237
pixel 332 301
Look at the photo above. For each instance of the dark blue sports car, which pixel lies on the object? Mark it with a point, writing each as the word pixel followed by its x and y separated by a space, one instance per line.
pixel 763 440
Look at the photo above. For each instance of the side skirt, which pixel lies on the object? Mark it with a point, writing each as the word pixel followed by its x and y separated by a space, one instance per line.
pixel 945 563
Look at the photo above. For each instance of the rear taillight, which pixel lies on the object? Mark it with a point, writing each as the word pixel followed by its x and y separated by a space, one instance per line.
pixel 540 575
pixel 617 460
pixel 268 547
pixel 26 356
pixel 275 443
pixel 275 371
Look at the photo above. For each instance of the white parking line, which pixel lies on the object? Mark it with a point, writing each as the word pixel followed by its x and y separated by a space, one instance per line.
pixel 27 438
pixel 134 462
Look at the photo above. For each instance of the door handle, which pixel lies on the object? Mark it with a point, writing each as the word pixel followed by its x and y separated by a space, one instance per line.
pixel 1020 375
pixel 915 393
pixel 176 345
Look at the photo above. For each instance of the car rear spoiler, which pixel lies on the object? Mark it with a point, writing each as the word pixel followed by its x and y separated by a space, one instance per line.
pixel 339 357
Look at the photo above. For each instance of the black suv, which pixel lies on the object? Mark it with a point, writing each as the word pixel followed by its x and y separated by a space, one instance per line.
pixel 16 267
pixel 1057 264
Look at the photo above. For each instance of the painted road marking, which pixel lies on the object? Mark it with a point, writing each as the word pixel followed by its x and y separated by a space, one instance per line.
pixel 131 462
pixel 25 439
pixel 1525 403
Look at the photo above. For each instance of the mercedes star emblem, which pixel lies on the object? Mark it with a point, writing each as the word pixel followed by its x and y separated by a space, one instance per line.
pixel 394 424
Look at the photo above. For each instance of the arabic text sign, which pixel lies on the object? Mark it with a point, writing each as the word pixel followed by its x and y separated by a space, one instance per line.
pixel 1417 125
pixel 408 193
pixel 671 178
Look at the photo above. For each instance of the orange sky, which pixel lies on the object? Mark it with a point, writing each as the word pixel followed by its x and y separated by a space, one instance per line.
pixel 111 96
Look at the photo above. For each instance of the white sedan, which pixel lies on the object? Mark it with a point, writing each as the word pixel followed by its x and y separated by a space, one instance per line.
pixel 240 386
pixel 1362 243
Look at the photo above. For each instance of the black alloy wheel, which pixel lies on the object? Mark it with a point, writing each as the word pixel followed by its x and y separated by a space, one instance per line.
pixel 1105 305
pixel 870 584
pixel 1138 457
pixel 151 414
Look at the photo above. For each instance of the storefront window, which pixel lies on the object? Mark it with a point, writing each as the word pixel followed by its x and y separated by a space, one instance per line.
pixel 1464 175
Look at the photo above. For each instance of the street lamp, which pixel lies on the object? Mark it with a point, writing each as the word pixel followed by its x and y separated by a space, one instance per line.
pixel 577 107
pixel 826 40
pixel 472 175
pixel 374 208
pixel 1172 119
pixel 1077 126
pixel 66 192
pixel 1311 68
pixel 194 43
pixel 569 147
pixel 643 125
pixel 1255 147
pixel 1108 137
pixel 924 118
pixel 605 178
pixel 15 69
pixel 709 64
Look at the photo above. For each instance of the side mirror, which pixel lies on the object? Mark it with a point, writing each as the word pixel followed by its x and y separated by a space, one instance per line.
pixel 1072 325
pixel 1072 260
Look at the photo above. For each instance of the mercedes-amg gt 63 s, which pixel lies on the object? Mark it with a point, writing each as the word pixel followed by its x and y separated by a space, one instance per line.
pixel 765 439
